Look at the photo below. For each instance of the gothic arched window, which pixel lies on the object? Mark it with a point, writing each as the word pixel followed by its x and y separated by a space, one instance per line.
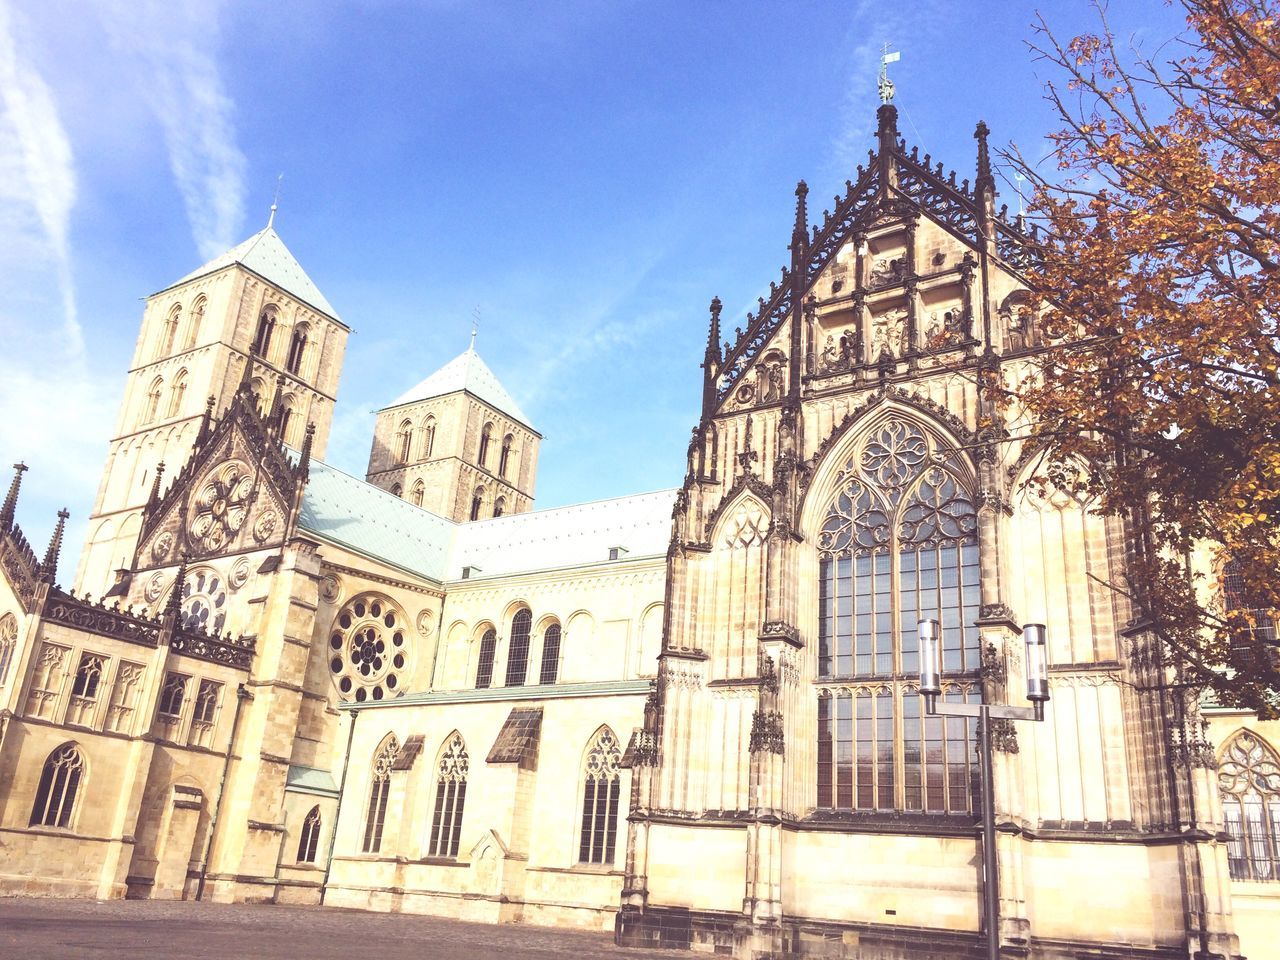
pixel 151 409
pixel 262 338
pixel 505 456
pixel 297 347
pixel 1253 628
pixel 602 785
pixel 484 664
pixel 404 440
pixel 419 490
pixel 518 649
pixel 1249 778
pixel 310 837
pixel 550 654
pixel 451 798
pixel 169 334
pixel 379 791
pixel 196 322
pixel 898 544
pixel 484 444
pixel 177 392
pixel 59 783
pixel 428 437
pixel 477 502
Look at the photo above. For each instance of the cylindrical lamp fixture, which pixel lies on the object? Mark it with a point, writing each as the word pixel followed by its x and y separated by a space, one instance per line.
pixel 930 632
pixel 1035 636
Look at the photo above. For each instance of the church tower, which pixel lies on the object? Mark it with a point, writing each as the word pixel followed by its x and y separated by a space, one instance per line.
pixel 197 334
pixel 457 444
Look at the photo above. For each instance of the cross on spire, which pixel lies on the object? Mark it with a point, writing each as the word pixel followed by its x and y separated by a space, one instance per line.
pixel 883 83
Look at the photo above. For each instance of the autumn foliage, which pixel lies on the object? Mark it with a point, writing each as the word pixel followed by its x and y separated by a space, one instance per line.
pixel 1160 292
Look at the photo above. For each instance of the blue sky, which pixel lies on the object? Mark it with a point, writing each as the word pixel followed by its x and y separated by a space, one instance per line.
pixel 589 174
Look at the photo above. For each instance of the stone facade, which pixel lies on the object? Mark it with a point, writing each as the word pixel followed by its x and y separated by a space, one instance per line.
pixel 690 717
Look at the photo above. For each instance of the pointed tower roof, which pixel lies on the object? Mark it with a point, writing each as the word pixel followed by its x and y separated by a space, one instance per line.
pixel 465 372
pixel 266 255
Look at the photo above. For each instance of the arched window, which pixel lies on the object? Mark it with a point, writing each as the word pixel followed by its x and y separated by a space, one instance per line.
pixel 419 489
pixel 898 544
pixel 451 798
pixel 266 326
pixel 550 654
pixel 169 333
pixel 297 347
pixel 59 783
pixel 379 791
pixel 428 437
pixel 500 506
pixel 310 837
pixel 602 784
pixel 505 456
pixel 8 643
pixel 177 392
pixel 404 439
pixel 518 649
pixel 151 409
pixel 484 444
pixel 484 664
pixel 1249 778
pixel 1253 628
pixel 286 419
pixel 197 321
pixel 477 501
pixel 397 489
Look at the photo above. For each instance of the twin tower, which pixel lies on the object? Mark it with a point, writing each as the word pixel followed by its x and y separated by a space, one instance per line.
pixel 456 444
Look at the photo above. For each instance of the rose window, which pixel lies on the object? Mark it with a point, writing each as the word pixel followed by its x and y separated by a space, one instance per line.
pixel 368 653
pixel 204 602
pixel 222 505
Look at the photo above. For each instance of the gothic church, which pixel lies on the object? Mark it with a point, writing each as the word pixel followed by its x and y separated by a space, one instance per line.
pixel 690 717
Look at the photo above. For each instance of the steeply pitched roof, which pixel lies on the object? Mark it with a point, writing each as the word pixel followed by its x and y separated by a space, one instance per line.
pixel 465 372
pixel 266 255
pixel 372 521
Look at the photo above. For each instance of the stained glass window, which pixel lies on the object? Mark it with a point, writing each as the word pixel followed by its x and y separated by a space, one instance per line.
pixel 451 798
pixel 601 786
pixel 1249 778
pixel 379 791
pixel 518 649
pixel 59 783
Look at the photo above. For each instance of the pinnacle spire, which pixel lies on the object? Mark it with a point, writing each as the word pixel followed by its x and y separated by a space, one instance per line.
pixel 304 461
pixel 155 485
pixel 802 211
pixel 174 606
pixel 49 568
pixel 713 335
pixel 985 179
pixel 11 498
pixel 206 422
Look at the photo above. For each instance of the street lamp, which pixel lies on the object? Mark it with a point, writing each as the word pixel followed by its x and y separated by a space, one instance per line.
pixel 1037 661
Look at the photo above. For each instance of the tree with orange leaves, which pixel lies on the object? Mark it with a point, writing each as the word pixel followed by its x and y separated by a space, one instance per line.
pixel 1159 295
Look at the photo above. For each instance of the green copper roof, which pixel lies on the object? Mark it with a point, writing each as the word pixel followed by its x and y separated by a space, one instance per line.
pixel 465 372
pixel 266 255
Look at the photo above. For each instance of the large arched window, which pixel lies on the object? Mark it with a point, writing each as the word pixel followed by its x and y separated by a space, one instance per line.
pixel 518 649
pixel 177 392
pixel 601 787
pixel 898 544
pixel 428 437
pixel 297 348
pixel 151 409
pixel 451 798
pixel 550 654
pixel 379 791
pixel 1254 629
pixel 310 837
pixel 404 440
pixel 1249 778
pixel 59 783
pixel 505 457
pixel 484 664
pixel 169 333
pixel 195 323
pixel 266 326
pixel 485 434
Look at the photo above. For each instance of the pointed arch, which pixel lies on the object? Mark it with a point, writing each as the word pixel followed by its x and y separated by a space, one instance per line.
pixel 196 321
pixel 59 787
pixel 384 759
pixel 602 788
pixel 419 491
pixel 1249 782
pixel 452 766
pixel 741 521
pixel 309 838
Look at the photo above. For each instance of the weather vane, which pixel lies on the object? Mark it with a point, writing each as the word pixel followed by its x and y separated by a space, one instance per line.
pixel 884 84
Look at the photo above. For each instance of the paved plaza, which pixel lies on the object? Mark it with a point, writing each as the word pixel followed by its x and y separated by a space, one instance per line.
pixel 146 929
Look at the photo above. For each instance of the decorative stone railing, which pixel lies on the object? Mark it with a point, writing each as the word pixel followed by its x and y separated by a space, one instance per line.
pixel 225 650
pixel 112 621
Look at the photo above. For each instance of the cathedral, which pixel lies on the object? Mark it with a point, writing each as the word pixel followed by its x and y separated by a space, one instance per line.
pixel 691 717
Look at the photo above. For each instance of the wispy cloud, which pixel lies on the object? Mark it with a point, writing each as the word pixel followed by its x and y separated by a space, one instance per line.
pixel 175 43
pixel 39 172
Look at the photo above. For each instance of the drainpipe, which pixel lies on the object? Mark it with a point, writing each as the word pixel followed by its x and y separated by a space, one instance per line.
pixel 242 695
pixel 342 786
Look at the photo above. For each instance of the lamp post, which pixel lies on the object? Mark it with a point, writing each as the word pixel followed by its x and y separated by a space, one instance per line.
pixel 1033 634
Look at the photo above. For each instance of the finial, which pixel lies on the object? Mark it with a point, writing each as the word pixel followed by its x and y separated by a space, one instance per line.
pixel 984 159
pixel 11 498
pixel 475 328
pixel 49 569
pixel 883 83
pixel 275 202
pixel 155 485
pixel 246 376
pixel 713 335
pixel 206 422
pixel 304 461
pixel 174 605
pixel 277 402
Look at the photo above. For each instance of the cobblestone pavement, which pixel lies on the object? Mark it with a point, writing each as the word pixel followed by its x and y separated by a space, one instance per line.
pixel 147 929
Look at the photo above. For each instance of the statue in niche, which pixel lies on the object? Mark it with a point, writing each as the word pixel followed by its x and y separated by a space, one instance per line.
pixel 889 334
pixel 830 355
pixel 886 271
pixel 848 349
pixel 945 329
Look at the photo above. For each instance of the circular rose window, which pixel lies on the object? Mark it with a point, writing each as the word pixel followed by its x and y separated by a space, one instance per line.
pixel 221 505
pixel 368 649
pixel 204 602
